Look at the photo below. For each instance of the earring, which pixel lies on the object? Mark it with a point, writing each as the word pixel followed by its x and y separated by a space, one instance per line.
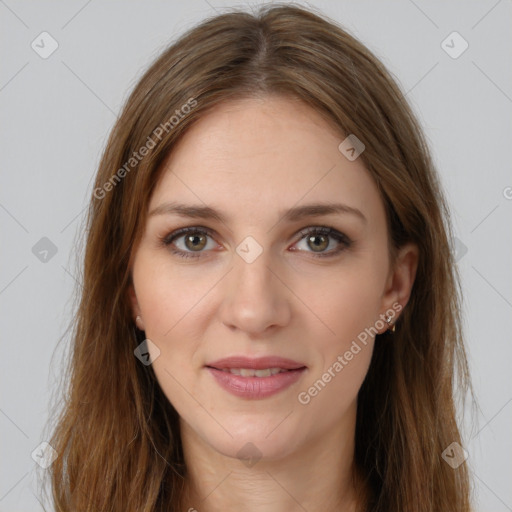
pixel 391 326
pixel 139 323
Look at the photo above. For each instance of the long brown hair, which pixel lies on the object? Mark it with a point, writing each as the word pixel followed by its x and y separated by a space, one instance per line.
pixel 117 436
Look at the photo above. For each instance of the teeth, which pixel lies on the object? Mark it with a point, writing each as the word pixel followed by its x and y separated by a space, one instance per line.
pixel 250 372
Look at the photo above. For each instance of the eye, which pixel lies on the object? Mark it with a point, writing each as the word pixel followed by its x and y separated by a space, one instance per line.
pixel 189 241
pixel 320 238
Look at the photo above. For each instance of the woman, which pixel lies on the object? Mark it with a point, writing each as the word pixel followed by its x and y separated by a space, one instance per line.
pixel 270 313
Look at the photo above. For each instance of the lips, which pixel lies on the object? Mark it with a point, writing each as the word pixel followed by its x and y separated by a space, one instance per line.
pixel 260 363
pixel 255 378
pixel 251 372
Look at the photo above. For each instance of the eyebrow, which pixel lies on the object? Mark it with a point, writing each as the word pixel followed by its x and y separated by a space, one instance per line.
pixel 293 214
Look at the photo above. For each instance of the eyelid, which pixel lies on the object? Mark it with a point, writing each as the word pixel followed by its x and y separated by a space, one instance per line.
pixel 339 236
pixel 168 240
pixel 343 241
pixel 188 229
pixel 325 230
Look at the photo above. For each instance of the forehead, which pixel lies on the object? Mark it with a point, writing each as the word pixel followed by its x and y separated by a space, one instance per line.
pixel 256 156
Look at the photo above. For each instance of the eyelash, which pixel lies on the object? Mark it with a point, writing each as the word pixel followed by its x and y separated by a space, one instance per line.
pixel 320 230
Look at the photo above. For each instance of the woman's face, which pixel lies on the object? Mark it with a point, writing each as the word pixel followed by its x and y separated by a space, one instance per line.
pixel 252 279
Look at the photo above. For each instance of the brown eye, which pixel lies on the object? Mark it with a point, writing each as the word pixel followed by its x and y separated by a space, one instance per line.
pixel 195 242
pixel 189 242
pixel 318 242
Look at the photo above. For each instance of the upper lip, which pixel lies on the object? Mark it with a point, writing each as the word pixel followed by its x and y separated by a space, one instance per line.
pixel 258 363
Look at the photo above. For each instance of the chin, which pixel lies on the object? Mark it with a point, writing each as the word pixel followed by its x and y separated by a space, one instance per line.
pixel 250 450
pixel 252 440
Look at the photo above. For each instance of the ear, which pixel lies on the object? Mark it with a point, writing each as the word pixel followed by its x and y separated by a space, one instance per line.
pixel 134 305
pixel 401 280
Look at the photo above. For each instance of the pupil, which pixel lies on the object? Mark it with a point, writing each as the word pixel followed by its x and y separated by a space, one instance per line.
pixel 195 241
pixel 318 244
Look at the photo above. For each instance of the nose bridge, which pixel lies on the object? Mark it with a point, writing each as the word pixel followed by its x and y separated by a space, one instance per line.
pixel 256 298
pixel 254 272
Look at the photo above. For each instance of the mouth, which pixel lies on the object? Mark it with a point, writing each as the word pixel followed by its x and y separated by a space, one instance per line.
pixel 255 378
pixel 251 372
pixel 272 363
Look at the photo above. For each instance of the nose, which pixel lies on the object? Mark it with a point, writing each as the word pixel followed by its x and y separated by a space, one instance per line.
pixel 255 298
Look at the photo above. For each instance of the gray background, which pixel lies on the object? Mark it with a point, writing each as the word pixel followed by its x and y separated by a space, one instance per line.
pixel 57 113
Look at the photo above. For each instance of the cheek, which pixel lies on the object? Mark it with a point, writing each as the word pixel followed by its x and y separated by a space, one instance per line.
pixel 349 308
pixel 350 312
pixel 345 301
pixel 166 300
pixel 168 296
pixel 172 302
pixel 348 304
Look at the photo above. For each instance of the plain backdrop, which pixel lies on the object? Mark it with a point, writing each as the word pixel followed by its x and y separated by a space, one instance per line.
pixel 57 111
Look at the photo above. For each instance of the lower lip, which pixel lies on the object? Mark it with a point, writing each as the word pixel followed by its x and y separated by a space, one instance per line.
pixel 256 387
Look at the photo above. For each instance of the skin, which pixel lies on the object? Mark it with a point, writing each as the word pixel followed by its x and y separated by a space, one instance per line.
pixel 253 159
